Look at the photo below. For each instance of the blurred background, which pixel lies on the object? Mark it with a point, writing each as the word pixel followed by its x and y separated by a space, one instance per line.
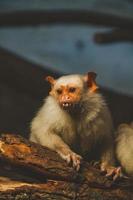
pixel 55 37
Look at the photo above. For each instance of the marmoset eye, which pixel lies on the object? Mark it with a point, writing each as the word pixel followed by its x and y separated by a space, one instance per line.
pixel 72 89
pixel 59 91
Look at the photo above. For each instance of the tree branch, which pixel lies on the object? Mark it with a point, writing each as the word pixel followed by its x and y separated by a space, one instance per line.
pixel 33 18
pixel 30 169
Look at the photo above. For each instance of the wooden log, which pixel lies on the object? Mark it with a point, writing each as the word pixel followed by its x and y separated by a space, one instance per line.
pixel 35 159
pixel 41 162
pixel 49 177
pixel 15 185
pixel 22 190
pixel 90 193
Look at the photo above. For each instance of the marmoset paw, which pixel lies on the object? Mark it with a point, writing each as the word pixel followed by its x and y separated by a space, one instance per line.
pixel 111 171
pixel 73 158
pixel 115 172
pixel 76 160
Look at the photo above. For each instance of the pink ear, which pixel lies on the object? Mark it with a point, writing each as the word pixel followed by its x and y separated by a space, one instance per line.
pixel 90 80
pixel 50 79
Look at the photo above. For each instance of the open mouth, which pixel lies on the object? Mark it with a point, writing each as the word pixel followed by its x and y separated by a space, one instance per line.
pixel 66 105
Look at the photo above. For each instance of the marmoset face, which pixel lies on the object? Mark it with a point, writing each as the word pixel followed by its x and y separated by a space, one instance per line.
pixel 68 90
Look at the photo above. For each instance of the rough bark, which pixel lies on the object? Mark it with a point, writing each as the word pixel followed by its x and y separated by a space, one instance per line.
pixel 30 171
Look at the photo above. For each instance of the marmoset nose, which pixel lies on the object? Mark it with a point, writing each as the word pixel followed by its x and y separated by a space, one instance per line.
pixel 65 99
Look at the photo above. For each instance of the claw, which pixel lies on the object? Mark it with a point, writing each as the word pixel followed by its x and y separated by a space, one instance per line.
pixel 118 173
pixel 114 172
pixel 73 158
pixel 68 158
pixel 110 172
pixel 76 160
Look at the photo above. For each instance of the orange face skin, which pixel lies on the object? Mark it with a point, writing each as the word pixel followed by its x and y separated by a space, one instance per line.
pixel 67 96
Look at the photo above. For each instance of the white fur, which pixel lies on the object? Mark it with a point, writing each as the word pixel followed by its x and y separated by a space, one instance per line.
pixel 124 147
pixel 52 118
pixel 59 130
pixel 76 79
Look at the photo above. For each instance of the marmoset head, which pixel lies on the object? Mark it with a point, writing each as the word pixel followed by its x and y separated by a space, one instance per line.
pixel 68 90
